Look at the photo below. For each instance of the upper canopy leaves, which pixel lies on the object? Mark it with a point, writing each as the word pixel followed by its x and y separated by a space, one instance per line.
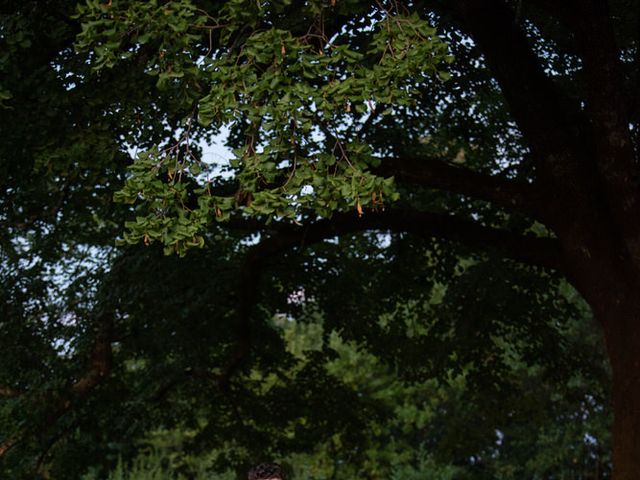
pixel 299 94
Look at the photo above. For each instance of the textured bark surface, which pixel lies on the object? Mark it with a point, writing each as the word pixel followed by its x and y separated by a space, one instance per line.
pixel 623 344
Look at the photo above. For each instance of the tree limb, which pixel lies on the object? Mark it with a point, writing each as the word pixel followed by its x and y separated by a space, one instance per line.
pixel 561 136
pixel 520 196
pixel 544 252
pixel 9 392
pixel 549 119
pixel 9 444
pixel 608 107
pixel 100 364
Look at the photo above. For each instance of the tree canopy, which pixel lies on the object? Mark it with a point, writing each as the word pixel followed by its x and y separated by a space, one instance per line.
pixel 421 260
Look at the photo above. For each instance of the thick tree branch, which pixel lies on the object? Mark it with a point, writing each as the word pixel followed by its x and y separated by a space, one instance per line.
pixel 100 362
pixel 528 249
pixel 561 136
pixel 608 107
pixel 549 119
pixel 544 252
pixel 502 192
pixel 555 128
pixel 633 89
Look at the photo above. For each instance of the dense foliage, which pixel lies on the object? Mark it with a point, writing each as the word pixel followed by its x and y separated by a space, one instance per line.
pixel 366 290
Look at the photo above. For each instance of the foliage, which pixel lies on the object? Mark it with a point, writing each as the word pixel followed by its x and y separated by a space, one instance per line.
pixel 296 96
pixel 447 425
pixel 316 322
pixel 162 457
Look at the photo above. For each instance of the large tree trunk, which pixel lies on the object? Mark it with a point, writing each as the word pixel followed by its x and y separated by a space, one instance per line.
pixel 614 296
pixel 586 170
pixel 622 337
pixel 626 424
pixel 600 267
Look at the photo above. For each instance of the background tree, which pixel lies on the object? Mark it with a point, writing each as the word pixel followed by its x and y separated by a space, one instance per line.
pixel 523 146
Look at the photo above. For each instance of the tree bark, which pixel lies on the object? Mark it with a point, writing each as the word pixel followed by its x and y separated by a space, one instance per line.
pixel 622 338
pixel 602 273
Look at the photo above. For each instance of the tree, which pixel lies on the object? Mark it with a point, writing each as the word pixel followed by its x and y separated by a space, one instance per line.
pixel 510 127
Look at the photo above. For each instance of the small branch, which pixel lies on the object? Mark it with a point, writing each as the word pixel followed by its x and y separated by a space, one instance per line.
pixel 373 115
pixel 9 444
pixel 9 392
pixel 50 213
pixel 40 462
pixel 100 363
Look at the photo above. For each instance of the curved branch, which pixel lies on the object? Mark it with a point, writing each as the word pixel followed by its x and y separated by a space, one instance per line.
pixel 520 196
pixel 543 252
